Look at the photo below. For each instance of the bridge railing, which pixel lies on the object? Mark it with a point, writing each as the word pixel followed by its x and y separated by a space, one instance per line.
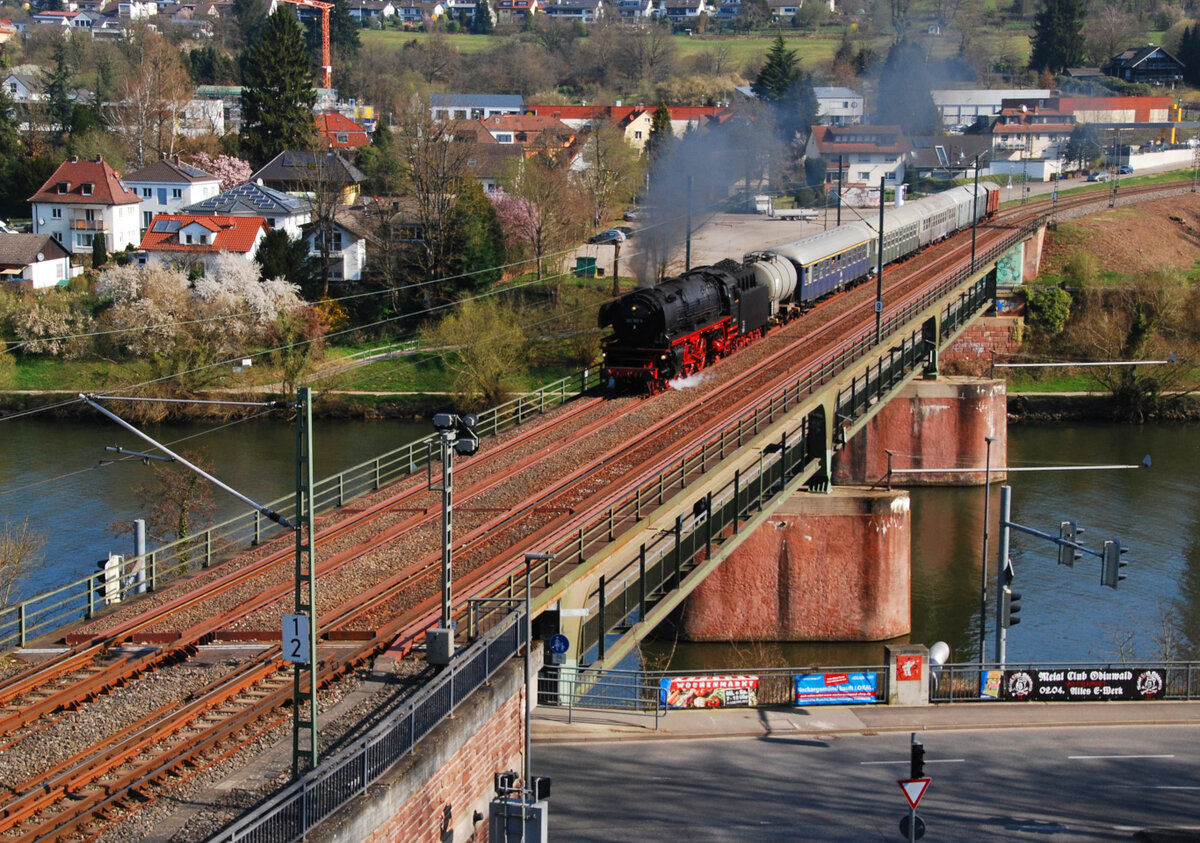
pixel 82 599
pixel 967 682
pixel 294 812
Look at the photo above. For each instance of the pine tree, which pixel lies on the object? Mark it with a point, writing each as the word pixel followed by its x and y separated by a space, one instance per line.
pixel 57 85
pixel 481 23
pixel 99 250
pixel 278 97
pixel 477 242
pixel 1058 35
pixel 661 135
pixel 779 75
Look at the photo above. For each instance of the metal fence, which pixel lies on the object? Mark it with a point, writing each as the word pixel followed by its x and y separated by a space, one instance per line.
pixel 47 612
pixel 294 812
pixel 954 683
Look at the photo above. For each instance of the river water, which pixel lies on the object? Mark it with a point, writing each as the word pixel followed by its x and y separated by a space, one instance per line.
pixel 50 473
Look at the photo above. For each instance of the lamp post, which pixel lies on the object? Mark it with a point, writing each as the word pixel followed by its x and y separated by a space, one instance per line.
pixel 975 215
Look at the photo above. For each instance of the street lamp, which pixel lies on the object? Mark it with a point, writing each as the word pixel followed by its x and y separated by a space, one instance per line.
pixel 457 435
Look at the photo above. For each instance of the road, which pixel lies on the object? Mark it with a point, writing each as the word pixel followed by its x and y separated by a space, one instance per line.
pixel 1044 784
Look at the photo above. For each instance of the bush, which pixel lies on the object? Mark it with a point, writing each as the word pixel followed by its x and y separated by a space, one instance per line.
pixel 1047 308
pixel 1082 269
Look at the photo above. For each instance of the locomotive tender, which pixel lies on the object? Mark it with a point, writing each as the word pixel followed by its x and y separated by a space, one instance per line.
pixel 686 323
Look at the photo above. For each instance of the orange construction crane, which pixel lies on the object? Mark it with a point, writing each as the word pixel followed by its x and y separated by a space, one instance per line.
pixel 326 64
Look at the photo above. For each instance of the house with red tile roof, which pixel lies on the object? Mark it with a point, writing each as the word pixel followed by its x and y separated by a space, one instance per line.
pixel 340 132
pixel 82 199
pixel 633 120
pixel 192 240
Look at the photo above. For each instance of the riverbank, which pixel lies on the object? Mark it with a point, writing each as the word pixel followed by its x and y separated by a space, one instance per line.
pixel 1023 407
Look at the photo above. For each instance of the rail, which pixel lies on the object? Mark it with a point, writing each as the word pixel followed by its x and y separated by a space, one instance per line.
pixel 294 812
pixel 49 611
pixel 662 564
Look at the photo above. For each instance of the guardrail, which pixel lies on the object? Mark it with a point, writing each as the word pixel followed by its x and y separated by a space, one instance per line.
pixel 294 812
pixel 50 611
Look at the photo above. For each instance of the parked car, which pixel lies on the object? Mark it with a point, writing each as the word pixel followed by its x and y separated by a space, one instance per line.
pixel 612 235
pixel 632 215
pixel 1098 176
pixel 1125 170
pixel 626 230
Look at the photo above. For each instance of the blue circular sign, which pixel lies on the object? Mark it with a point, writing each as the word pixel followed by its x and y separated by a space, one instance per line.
pixel 559 644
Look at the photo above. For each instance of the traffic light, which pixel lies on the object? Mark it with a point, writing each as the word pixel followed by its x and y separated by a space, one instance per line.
pixel 1110 569
pixel 1010 607
pixel 917 768
pixel 1067 532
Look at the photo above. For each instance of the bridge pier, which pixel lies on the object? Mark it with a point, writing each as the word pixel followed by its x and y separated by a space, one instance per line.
pixel 940 424
pixel 825 567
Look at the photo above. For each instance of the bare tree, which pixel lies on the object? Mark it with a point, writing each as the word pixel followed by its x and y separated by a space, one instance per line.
pixel 151 100
pixel 180 502
pixel 20 552
pixel 556 215
pixel 1110 28
pixel 435 166
pixel 611 171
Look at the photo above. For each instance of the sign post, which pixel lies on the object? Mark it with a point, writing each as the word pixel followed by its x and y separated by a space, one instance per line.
pixel 912 825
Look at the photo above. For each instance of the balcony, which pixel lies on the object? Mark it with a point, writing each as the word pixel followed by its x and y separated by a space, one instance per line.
pixel 80 224
pixel 1009 143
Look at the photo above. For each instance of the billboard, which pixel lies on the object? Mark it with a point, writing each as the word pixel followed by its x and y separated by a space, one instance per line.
pixel 1073 684
pixel 833 688
pixel 708 691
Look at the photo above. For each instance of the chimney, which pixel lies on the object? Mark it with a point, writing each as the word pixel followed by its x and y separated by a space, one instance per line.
pixel 99 159
pixel 74 159
pixel 176 159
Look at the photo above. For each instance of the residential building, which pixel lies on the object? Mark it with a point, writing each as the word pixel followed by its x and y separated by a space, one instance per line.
pixel 838 106
pixel 464 10
pixel 784 10
pixel 633 120
pixel 194 241
pixel 632 9
pixel 84 198
pixel 1150 65
pixel 948 156
pixel 366 11
pixel 533 131
pixel 584 11
pixel 347 248
pixel 254 200
pixel 37 260
pixel 514 11
pixel 685 11
pixel 303 174
pixel 230 97
pixel 413 13
pixel 340 132
pixel 166 187
pixel 201 117
pixel 473 106
pixel 492 163
pixel 1030 131
pixel 23 87
pixel 868 153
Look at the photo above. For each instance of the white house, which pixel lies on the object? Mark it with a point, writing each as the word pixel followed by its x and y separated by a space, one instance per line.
pixel 196 241
pixel 347 249
pixel 85 198
pixel 166 187
pixel 867 153
pixel 838 106
pixel 23 87
pixel 969 106
pixel 34 259
pixel 473 106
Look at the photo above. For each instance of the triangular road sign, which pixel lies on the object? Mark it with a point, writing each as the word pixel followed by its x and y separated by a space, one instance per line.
pixel 914 789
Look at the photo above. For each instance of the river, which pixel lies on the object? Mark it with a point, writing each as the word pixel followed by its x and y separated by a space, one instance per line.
pixel 50 473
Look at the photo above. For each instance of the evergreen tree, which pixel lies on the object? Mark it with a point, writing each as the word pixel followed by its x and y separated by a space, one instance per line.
pixel 209 66
pixel 56 83
pixel 661 135
pixel 99 250
pixel 476 252
pixel 1058 35
pixel 481 23
pixel 251 18
pixel 1189 54
pixel 278 95
pixel 779 75
pixel 379 162
pixel 282 256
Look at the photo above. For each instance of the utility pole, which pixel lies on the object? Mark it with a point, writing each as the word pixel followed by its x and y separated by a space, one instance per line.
pixel 304 672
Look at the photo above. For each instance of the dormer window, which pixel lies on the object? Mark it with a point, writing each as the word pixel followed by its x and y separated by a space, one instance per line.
pixel 63 187
pixel 86 188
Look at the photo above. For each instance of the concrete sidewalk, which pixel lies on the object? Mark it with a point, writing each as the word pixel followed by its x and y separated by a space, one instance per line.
pixel 550 725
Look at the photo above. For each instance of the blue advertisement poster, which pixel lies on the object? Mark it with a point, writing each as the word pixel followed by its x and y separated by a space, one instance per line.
pixel 834 688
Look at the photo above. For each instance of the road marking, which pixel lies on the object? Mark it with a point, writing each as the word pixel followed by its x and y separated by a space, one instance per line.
pixel 1091 758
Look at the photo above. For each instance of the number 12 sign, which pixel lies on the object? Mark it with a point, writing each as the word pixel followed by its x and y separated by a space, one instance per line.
pixel 295 639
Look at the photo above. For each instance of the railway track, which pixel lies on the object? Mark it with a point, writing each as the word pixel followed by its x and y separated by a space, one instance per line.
pixel 94 790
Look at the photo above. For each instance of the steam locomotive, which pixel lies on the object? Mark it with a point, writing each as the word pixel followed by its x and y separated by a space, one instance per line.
pixel 688 322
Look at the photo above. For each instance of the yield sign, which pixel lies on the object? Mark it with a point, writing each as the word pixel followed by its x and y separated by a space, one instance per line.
pixel 914 789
